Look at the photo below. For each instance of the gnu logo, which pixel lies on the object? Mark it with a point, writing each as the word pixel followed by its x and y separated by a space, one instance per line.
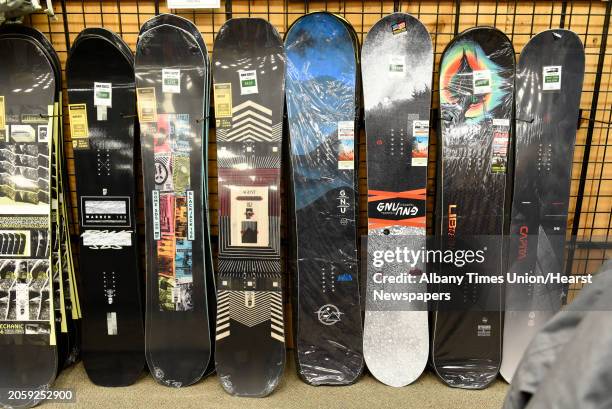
pixel 329 314
pixel 343 202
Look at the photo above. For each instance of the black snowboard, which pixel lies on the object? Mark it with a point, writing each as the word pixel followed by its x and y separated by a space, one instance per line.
pixel 66 329
pixel 549 84
pixel 322 98
pixel 248 76
pixel 100 73
pixel 180 22
pixel 27 97
pixel 476 104
pixel 172 79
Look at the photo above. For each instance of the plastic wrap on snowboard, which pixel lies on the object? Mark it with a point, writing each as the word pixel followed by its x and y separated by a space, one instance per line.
pixel 172 76
pixel 476 105
pixel 113 329
pixel 322 81
pixel 397 73
pixel 549 80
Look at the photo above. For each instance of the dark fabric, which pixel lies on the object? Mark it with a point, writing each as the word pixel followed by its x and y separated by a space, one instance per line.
pixel 568 364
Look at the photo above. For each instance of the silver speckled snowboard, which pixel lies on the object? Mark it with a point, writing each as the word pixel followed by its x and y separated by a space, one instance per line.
pixel 397 65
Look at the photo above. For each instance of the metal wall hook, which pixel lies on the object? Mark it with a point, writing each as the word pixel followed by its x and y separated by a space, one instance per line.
pixel 595 121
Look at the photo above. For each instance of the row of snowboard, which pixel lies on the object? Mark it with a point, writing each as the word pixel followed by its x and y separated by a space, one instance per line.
pixel 189 312
pixel 39 300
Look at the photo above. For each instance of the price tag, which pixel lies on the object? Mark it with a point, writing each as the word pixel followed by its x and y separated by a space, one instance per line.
pixel 248 82
pixel 397 65
pixel 103 94
pixel 171 80
pixel 420 145
pixel 346 148
pixel 482 82
pixel 551 78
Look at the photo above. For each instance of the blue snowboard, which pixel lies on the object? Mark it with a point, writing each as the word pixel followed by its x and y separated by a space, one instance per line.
pixel 322 75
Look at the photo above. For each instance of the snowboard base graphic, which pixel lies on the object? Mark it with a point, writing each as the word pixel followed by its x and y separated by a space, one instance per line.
pixel 248 76
pixel 322 104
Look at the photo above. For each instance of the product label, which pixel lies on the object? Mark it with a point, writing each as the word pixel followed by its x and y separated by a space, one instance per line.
pixel 147 104
pixel 397 65
pixel 499 153
pixel 501 122
pixel 420 144
pixel 398 28
pixel 482 82
pixel 171 80
pixel 78 121
pixel 2 114
pixel 103 94
pixel 346 146
pixel 156 222
pixel 551 78
pixel 248 82
pixel 223 104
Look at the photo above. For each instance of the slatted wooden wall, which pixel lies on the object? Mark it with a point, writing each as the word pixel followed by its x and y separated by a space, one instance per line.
pixel 590 219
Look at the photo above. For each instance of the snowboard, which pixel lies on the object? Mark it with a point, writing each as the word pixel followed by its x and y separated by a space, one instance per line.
pixel 397 64
pixel 248 77
pixel 172 72
pixel 27 104
pixel 549 79
pixel 476 104
pixel 102 103
pixel 66 329
pixel 322 73
pixel 180 22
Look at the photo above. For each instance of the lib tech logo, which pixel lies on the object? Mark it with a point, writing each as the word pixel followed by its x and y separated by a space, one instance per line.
pixel 452 224
pixel 397 209
pixel 523 242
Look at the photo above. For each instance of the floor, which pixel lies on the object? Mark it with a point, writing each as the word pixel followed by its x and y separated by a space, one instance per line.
pixel 427 392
